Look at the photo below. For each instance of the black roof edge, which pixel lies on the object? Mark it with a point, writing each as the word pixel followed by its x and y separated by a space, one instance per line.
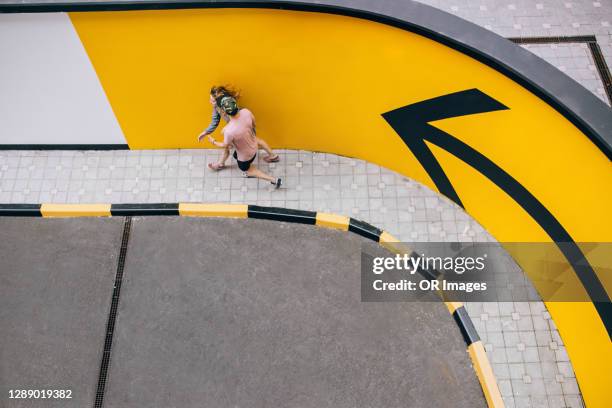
pixel 582 108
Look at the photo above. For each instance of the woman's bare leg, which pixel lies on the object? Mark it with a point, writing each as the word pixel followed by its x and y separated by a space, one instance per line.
pixel 263 145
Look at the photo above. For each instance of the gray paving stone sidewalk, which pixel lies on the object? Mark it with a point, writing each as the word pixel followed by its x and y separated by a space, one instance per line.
pixel 575 60
pixel 547 18
pixel 537 18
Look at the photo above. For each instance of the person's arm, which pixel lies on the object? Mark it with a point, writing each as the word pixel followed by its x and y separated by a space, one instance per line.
pixel 218 144
pixel 214 123
pixel 225 143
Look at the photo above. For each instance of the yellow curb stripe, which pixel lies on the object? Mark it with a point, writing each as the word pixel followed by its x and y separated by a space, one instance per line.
pixel 393 244
pixel 75 210
pixel 332 221
pixel 485 375
pixel 452 306
pixel 213 210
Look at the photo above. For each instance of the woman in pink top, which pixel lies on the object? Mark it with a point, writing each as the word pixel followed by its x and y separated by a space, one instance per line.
pixel 240 133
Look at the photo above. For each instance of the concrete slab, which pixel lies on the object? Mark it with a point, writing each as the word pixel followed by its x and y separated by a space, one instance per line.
pixel 237 313
pixel 56 282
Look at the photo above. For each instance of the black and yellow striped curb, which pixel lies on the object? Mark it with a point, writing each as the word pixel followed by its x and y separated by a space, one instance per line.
pixel 475 347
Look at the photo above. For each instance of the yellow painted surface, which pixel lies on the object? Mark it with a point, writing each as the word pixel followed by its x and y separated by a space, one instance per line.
pixel 75 210
pixel 332 221
pixel 323 84
pixel 213 210
pixel 485 375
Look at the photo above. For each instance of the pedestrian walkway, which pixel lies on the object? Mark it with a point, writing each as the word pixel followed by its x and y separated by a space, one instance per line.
pixel 538 18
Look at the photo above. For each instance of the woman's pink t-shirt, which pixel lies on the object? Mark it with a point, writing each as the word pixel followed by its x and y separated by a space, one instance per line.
pixel 239 132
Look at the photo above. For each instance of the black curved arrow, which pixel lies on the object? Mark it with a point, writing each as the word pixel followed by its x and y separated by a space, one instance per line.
pixel 411 124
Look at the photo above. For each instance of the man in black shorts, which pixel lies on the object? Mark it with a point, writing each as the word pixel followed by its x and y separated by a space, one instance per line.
pixel 240 134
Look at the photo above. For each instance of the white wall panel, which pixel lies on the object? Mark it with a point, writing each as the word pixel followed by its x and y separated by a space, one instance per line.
pixel 49 91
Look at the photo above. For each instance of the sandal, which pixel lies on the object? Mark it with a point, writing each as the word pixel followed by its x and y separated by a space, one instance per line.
pixel 271 159
pixel 216 166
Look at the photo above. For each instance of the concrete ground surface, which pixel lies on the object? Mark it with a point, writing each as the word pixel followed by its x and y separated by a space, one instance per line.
pixel 217 312
pixel 55 289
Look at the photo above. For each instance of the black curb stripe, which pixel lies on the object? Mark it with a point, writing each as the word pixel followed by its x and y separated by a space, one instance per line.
pixel 145 209
pixel 64 147
pixel 112 316
pixel 468 331
pixel 20 210
pixel 364 229
pixel 282 214
pixel 431 274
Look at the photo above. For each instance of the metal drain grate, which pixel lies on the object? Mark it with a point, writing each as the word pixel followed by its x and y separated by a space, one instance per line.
pixel 112 316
